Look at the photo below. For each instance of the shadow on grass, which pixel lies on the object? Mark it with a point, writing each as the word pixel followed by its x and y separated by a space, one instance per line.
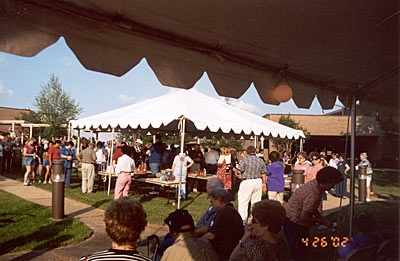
pixel 188 202
pixel 45 234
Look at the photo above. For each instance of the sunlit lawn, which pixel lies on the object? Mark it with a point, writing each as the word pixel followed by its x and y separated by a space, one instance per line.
pixel 156 206
pixel 28 226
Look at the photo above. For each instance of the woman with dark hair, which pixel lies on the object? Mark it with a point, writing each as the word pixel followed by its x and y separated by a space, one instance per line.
pixel 317 165
pixel 302 210
pixel 275 180
pixel 259 241
pixel 286 161
pixel 227 229
pixel 235 174
pixel 125 220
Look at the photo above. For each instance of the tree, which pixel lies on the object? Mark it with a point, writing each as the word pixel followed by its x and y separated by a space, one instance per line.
pixel 285 144
pixel 55 107
pixel 224 143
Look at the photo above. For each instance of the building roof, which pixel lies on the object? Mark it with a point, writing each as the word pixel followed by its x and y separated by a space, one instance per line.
pixel 332 125
pixel 7 113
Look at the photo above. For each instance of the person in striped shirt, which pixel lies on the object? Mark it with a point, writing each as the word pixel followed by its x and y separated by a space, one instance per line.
pixel 125 220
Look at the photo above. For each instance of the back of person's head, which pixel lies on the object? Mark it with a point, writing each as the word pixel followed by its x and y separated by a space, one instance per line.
pixel 274 156
pixel 180 221
pixel 57 142
pixel 314 154
pixel 251 150
pixel 123 143
pixel 126 150
pixel 364 222
pixel 158 137
pixel 270 213
pixel 329 175
pixel 221 194
pixel 213 183
pixel 70 143
pixel 99 144
pixel 234 154
pixel 125 220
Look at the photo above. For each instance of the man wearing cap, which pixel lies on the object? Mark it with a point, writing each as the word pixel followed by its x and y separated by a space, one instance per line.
pixel 186 246
pixel 137 152
pixel 253 173
pixel 87 158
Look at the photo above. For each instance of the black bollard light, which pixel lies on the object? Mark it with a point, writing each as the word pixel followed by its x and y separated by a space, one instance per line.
pixel 57 195
pixel 362 183
pixel 297 179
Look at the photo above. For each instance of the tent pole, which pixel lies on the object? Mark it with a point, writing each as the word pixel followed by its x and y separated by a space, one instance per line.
pixel 182 158
pixel 79 142
pixel 352 162
pixel 301 144
pixel 69 131
pixel 111 164
pixel 91 136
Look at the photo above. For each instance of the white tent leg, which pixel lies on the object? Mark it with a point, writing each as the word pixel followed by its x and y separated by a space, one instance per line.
pixel 301 144
pixel 30 131
pixel 91 136
pixel 182 125
pixel 112 152
pixel 78 147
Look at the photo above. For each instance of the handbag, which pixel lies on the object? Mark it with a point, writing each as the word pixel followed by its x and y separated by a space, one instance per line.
pixel 369 171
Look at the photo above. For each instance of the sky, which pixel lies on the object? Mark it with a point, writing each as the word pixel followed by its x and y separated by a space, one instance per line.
pixel 21 79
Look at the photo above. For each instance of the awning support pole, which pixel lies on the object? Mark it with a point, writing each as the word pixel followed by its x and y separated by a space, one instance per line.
pixel 182 158
pixel 111 161
pixel 301 144
pixel 352 162
pixel 78 149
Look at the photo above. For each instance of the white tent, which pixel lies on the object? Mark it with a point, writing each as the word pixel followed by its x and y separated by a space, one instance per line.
pixel 205 116
pixel 185 111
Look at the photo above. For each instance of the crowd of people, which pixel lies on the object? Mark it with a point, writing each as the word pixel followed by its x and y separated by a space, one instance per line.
pixel 220 233
pixel 223 232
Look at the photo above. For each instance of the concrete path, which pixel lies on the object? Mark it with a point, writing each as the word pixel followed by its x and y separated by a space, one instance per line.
pixel 92 217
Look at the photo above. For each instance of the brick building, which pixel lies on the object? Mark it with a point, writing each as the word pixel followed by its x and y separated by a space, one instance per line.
pixel 7 115
pixel 328 133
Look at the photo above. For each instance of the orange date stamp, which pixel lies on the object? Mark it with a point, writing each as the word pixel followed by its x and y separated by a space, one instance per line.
pixel 325 241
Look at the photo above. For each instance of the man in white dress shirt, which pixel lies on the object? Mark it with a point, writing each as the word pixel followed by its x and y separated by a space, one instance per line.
pixel 124 168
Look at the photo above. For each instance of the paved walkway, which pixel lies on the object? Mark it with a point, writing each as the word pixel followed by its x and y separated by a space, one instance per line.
pixel 92 217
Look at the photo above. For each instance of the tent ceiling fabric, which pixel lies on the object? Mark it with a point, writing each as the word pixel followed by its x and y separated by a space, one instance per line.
pixel 327 48
pixel 206 117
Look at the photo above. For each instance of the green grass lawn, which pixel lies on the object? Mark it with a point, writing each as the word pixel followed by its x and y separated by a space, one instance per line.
pixel 28 226
pixel 155 205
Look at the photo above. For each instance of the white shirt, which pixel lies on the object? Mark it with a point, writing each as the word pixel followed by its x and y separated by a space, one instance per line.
pixel 177 162
pixel 212 157
pixel 101 155
pixel 125 163
pixel 333 163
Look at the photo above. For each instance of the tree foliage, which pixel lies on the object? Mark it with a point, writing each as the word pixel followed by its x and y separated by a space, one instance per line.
pixel 54 107
pixel 290 145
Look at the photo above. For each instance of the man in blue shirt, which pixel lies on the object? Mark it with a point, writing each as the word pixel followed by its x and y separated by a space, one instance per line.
pixel 155 157
pixel 67 155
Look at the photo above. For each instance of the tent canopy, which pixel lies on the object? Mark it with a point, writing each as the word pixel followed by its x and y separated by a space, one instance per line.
pixel 321 48
pixel 206 116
